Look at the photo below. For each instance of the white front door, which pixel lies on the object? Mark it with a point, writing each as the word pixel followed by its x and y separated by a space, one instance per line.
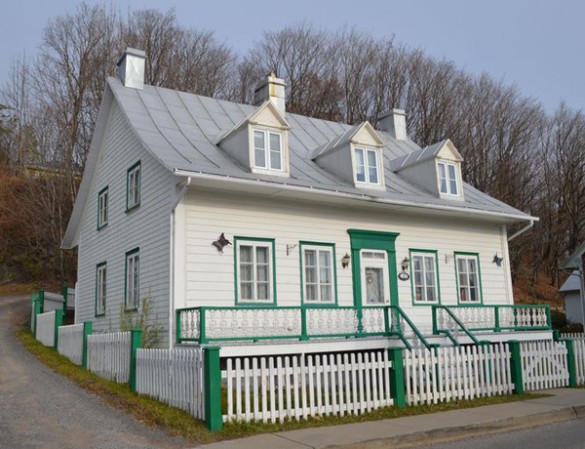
pixel 374 278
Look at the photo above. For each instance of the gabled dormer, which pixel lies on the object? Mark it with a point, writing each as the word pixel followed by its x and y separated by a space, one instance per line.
pixel 356 156
pixel 260 141
pixel 436 168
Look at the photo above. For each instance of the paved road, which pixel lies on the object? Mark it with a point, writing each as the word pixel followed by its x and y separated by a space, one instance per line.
pixel 566 435
pixel 39 409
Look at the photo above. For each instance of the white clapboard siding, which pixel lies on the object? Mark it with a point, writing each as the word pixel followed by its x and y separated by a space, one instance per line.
pixel 579 351
pixel 295 387
pixel 46 328
pixel 544 365
pixel 108 355
pixel 71 342
pixel 454 373
pixel 172 376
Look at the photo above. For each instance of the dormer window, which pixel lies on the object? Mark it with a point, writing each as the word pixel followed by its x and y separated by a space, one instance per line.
pixel 367 166
pixel 267 150
pixel 448 183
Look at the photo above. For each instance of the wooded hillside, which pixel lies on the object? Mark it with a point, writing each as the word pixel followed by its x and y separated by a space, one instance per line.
pixel 514 150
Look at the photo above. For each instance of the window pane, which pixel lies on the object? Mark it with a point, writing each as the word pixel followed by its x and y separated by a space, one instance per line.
pixel 442 178
pixel 311 292
pixel 452 176
pixel 310 257
pixel 374 285
pixel 275 162
pixel 417 263
pixel 263 290
pixel 430 294
pixel 262 271
pixel 260 158
pixel 246 290
pixel 245 253
pixel 259 140
pixel 372 167
pixel 310 275
pixel 262 255
pixel 326 293
pixel 360 168
pixel 453 185
pixel 246 272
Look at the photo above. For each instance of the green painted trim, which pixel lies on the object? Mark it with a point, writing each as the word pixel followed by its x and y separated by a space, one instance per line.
pixel 58 323
pixel 42 300
pixel 396 373
pixel 135 343
pixel 480 290
pixel 128 254
pixel 362 239
pixel 254 303
pixel 132 168
pixel 304 243
pixel 65 294
pixel 87 331
pixel 412 251
pixel 571 363
pixel 212 385
pixel 100 193
pixel 95 302
pixel 516 366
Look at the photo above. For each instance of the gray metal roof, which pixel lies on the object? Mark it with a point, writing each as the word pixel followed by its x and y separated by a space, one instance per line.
pixel 572 284
pixel 181 131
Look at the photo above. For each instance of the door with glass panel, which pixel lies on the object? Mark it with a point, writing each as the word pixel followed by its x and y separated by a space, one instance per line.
pixel 374 278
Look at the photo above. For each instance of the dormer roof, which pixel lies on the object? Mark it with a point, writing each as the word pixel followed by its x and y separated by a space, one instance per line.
pixel 350 136
pixel 443 150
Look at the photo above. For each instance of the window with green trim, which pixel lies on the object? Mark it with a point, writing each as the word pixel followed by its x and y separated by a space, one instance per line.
pixel 424 277
pixel 100 289
pixel 133 188
pixel 318 273
pixel 133 280
pixel 103 200
pixel 254 270
pixel 467 267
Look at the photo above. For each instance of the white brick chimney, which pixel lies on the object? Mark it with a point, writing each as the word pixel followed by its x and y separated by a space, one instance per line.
pixel 272 89
pixel 394 123
pixel 131 68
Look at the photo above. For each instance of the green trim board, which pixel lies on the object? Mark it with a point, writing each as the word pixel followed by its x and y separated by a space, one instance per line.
pixel 480 288
pixel 103 193
pixel 99 266
pixel 130 254
pixel 136 167
pixel 377 240
pixel 271 244
pixel 302 245
pixel 414 251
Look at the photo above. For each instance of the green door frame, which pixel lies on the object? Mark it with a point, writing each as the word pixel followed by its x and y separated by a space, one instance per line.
pixel 384 241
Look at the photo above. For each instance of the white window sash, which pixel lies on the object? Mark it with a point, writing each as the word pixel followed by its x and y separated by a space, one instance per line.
pixel 267 149
pixel 319 283
pixel 424 285
pixel 366 167
pixel 254 281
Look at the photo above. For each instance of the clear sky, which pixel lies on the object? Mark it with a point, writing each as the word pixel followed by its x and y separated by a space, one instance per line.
pixel 538 45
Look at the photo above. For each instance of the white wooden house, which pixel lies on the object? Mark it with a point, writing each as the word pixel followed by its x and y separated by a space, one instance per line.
pixel 335 231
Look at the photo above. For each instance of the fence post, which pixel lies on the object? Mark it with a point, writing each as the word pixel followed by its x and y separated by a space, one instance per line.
pixel 64 293
pixel 212 382
pixel 58 323
pixel 42 300
pixel 516 367
pixel 87 331
pixel 135 343
pixel 571 363
pixel 397 377
pixel 37 311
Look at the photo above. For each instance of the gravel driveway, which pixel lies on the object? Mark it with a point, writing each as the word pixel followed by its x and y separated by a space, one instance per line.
pixel 39 409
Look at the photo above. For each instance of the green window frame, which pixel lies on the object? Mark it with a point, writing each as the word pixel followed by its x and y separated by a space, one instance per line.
pixel 448 179
pixel 100 289
pixel 268 150
pixel 132 280
pixel 424 277
pixel 367 166
pixel 103 206
pixel 254 271
pixel 318 273
pixel 133 186
pixel 468 276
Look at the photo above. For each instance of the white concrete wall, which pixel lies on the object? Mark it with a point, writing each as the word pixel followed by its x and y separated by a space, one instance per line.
pixel 209 275
pixel 146 227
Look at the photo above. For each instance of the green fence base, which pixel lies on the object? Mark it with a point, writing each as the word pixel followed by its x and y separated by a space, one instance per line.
pixel 135 343
pixel 516 367
pixel 397 377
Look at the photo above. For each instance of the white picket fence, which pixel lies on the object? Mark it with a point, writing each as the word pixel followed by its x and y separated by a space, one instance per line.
pixel 172 376
pixel 579 351
pixel 573 335
pixel 71 342
pixel 544 365
pixel 108 355
pixel 454 373
pixel 279 388
pixel 46 328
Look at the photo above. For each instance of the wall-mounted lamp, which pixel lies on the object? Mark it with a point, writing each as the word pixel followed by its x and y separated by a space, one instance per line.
pixel 221 242
pixel 345 260
pixel 403 275
pixel 290 247
pixel 498 260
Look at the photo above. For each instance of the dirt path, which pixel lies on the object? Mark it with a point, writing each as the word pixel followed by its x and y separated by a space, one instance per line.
pixel 39 409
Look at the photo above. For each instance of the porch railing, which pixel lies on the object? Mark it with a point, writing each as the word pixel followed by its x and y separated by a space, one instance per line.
pixel 211 324
pixel 474 318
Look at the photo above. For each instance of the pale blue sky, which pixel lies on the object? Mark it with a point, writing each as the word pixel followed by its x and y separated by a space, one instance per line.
pixel 537 45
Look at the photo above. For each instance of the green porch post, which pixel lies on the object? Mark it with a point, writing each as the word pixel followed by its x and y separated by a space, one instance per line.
pixel 516 367
pixel 87 331
pixel 212 382
pixel 571 363
pixel 58 323
pixel 42 300
pixel 397 377
pixel 135 343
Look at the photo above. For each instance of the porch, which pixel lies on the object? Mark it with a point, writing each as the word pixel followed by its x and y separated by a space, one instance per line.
pixel 269 330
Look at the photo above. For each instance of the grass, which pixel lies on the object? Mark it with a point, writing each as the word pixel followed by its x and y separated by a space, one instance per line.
pixel 181 424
